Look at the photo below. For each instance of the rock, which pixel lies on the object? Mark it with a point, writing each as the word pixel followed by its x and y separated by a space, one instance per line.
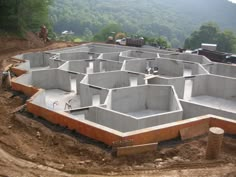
pixel 158 160
pixel 162 163
pixel 170 160
pixel 81 162
pixel 138 167
pixel 162 152
pixel 38 134
pixel 55 165
pixel 177 158
pixel 88 161
pixel 150 165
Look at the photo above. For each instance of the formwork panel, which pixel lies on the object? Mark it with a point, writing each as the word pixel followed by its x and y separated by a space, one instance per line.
pixel 80 127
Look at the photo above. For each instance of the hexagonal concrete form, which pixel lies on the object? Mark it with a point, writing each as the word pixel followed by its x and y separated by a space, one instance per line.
pixel 144 101
pixel 163 67
pixel 115 79
pixel 91 66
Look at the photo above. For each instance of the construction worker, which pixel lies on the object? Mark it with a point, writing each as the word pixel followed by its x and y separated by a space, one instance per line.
pixel 43 33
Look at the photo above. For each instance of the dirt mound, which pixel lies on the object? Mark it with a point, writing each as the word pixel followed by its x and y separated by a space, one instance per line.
pixel 33 40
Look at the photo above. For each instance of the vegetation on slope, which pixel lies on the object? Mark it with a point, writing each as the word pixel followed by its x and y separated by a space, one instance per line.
pixel 19 16
pixel 173 20
pixel 164 22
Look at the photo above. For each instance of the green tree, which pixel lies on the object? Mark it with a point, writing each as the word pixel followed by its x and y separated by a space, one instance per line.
pixel 20 16
pixel 109 30
pixel 227 41
pixel 159 41
pixel 210 33
pixel 88 35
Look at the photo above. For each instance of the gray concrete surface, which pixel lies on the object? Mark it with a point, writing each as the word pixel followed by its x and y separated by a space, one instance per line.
pixel 127 88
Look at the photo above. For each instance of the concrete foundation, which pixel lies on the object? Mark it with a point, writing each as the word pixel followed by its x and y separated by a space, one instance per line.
pixel 112 93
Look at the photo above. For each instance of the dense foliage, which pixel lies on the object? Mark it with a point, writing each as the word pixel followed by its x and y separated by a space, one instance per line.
pixel 18 16
pixel 173 20
pixel 163 22
pixel 210 33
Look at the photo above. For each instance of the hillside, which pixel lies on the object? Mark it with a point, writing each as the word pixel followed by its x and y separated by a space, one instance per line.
pixel 174 19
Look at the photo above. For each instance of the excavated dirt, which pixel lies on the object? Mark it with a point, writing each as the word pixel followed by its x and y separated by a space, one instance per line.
pixel 31 146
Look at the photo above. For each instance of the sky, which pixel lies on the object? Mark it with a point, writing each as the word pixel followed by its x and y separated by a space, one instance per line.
pixel 234 1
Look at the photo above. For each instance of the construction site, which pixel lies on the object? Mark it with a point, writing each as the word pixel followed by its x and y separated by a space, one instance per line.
pixel 100 109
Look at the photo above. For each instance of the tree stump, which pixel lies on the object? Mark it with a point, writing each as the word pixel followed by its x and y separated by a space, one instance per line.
pixel 215 138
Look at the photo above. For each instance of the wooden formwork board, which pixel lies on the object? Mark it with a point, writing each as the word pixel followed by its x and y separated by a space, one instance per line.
pixel 136 149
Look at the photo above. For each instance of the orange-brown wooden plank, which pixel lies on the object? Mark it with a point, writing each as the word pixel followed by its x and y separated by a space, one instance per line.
pixel 137 149
pixel 194 131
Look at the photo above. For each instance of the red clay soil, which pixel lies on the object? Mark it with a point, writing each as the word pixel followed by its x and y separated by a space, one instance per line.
pixel 33 147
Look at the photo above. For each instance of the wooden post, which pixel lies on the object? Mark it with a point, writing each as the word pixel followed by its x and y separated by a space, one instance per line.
pixel 215 138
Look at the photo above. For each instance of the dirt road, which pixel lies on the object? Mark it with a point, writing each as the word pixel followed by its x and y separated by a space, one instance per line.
pixel 31 146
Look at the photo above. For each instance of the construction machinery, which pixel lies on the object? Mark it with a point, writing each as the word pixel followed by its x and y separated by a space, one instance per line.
pixel 139 42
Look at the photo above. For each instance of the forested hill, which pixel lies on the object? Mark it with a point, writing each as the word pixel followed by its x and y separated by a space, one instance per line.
pixel 174 19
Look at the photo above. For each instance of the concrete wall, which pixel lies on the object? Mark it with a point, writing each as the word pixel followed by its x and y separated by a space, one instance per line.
pixel 114 79
pixel 138 54
pixel 37 59
pixel 136 65
pixel 149 97
pixel 24 65
pixel 193 109
pixel 158 98
pixel 199 85
pixel 51 79
pixel 55 63
pixel 86 94
pixel 170 67
pixel 196 69
pixel 81 48
pixel 114 120
pixel 188 57
pixel 112 65
pixel 105 49
pixel 129 100
pixel 111 56
pixel 222 69
pixel 221 87
pixel 39 98
pixel 178 83
pixel 75 66
pixel 106 65
pixel 77 56
pixel 125 123
pixel 160 119
pixel 215 86
pixel 81 66
pixel 174 104
pixel 79 78
pixel 165 67
pixel 25 79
